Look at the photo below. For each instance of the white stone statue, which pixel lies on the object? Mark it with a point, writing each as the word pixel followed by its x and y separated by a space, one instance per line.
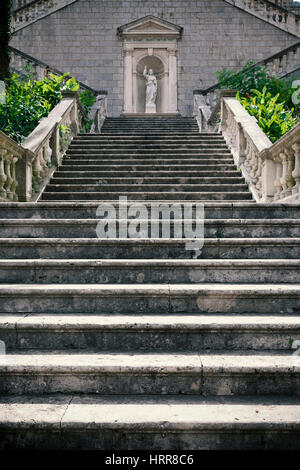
pixel 151 90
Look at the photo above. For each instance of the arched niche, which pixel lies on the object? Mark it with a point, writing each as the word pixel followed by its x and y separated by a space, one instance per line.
pixel 154 63
pixel 152 42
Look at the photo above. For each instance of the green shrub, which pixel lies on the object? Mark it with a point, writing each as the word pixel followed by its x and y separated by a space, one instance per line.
pixel 27 102
pixel 272 116
pixel 87 99
pixel 256 77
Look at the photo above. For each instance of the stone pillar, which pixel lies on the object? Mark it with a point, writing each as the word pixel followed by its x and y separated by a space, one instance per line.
pixel 128 80
pixel 172 81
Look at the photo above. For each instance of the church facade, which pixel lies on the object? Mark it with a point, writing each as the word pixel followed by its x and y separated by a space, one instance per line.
pixel 106 44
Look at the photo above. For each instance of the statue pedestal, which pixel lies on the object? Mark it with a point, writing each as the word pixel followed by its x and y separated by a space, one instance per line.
pixel 151 108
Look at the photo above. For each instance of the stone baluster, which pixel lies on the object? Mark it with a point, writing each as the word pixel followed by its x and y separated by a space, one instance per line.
pixel 3 176
pixel 283 180
pixel 277 182
pixel 289 176
pixel 296 172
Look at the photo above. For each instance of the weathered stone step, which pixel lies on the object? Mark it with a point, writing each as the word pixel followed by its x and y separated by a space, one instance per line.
pixel 223 373
pixel 146 196
pixel 150 298
pixel 151 153
pixel 146 138
pixel 146 164
pixel 148 271
pixel 145 187
pixel 177 175
pixel 173 422
pixel 106 140
pixel 146 146
pixel 84 210
pixel 155 228
pixel 138 333
pixel 94 248
pixel 58 180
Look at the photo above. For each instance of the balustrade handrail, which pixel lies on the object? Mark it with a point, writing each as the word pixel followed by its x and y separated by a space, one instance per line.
pixel 278 55
pixel 52 69
pixel 25 169
pixel 272 171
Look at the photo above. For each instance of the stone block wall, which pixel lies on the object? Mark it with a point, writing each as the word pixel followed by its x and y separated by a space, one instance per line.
pixel 82 39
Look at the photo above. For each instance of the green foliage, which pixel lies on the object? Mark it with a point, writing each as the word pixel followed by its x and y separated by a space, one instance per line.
pixel 87 99
pixel 256 77
pixel 272 116
pixel 28 102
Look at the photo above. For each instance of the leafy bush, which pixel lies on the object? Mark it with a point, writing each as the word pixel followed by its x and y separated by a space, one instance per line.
pixel 272 117
pixel 256 77
pixel 27 102
pixel 87 99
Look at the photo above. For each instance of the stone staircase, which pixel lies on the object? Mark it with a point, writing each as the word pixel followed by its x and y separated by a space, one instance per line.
pixel 139 343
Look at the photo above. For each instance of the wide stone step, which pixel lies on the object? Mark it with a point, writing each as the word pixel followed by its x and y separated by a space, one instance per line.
pixel 150 298
pixel 148 333
pixel 146 146
pixel 94 248
pixel 151 153
pixel 155 175
pixel 145 187
pixel 105 140
pixel 58 180
pixel 223 373
pixel 135 423
pixel 146 196
pixel 146 228
pixel 148 271
pixel 146 164
pixel 85 210
pixel 146 138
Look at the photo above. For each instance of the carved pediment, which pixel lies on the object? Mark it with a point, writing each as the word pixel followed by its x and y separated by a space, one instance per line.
pixel 150 26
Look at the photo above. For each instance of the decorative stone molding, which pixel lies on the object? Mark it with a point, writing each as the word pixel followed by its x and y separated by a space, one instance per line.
pixel 152 42
pixel 25 169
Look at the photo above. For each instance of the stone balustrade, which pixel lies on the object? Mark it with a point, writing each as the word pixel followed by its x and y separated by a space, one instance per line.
pixel 25 169
pixel 270 12
pixel 205 101
pixel 20 62
pixel 271 170
pixel 30 11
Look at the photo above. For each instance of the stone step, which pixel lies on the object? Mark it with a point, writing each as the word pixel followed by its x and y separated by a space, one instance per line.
pixel 148 333
pixel 205 152
pixel 85 210
pixel 58 180
pixel 91 422
pixel 106 140
pixel 92 248
pixel 125 165
pixel 147 164
pixel 146 146
pixel 221 373
pixel 95 138
pixel 148 271
pixel 155 228
pixel 145 187
pixel 146 196
pixel 150 298
pixel 155 175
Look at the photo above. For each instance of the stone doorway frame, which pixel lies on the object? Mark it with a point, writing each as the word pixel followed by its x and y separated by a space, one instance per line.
pixel 146 37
